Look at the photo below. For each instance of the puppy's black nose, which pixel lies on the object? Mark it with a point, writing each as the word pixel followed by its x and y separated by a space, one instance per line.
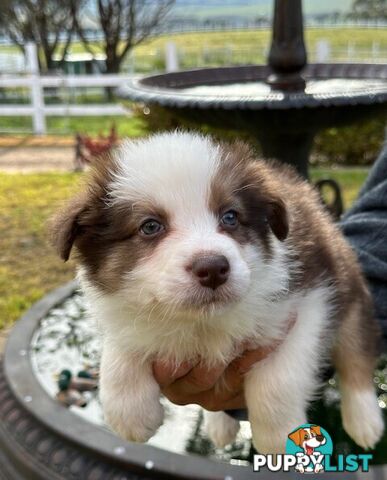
pixel 320 438
pixel 211 270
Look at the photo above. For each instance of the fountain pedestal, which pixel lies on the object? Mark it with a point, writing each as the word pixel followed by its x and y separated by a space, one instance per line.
pixel 289 147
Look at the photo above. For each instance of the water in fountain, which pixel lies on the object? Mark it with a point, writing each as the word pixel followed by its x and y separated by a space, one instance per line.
pixel 334 87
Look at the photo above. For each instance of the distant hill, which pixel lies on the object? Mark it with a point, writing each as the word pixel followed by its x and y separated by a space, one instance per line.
pixel 247 8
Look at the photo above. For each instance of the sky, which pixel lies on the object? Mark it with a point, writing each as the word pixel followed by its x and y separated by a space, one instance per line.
pixel 252 7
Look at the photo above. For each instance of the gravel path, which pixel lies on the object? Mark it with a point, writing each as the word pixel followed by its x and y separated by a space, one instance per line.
pixel 36 159
pixel 3 338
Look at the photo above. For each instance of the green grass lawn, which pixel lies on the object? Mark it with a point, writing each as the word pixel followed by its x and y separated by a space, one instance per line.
pixel 338 38
pixel 28 266
pixel 350 179
pixel 251 43
pixel 245 46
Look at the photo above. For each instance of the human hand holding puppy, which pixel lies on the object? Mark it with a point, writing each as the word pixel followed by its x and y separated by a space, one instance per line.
pixel 215 389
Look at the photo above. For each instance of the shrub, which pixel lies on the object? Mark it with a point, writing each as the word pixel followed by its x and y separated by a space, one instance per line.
pixel 158 119
pixel 358 144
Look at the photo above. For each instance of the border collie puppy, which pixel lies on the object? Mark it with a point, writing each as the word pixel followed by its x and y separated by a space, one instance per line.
pixel 186 249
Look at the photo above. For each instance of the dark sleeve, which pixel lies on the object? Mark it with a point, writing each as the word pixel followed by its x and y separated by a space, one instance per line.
pixel 365 227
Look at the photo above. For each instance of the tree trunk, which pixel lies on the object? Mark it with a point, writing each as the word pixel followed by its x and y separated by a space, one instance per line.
pixel 112 67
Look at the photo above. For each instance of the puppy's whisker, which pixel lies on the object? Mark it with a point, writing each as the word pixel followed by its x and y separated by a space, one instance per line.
pixel 245 187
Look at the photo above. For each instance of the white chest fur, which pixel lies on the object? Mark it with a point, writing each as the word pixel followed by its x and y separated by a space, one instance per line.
pixel 183 337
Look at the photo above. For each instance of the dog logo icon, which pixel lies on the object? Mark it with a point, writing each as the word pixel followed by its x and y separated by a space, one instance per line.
pixel 310 443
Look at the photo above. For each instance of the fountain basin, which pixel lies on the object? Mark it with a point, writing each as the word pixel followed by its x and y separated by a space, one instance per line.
pixel 41 439
pixel 327 85
pixel 284 122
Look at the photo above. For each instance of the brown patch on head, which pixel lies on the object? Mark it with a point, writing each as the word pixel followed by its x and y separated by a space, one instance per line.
pixel 245 184
pixel 65 226
pixel 105 234
pixel 70 222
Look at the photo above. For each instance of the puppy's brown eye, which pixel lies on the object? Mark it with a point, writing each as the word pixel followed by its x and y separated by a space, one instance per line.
pixel 151 228
pixel 229 219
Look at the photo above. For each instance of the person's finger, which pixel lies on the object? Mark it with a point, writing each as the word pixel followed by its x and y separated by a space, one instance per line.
pixel 226 393
pixel 250 357
pixel 166 373
pixel 215 400
pixel 253 355
pixel 198 386
pixel 232 380
pixel 229 392
pixel 235 402
pixel 198 380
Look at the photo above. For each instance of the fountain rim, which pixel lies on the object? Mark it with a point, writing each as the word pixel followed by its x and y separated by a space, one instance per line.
pixel 163 89
pixel 63 423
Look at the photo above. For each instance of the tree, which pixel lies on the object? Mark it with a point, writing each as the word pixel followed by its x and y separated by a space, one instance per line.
pixel 48 23
pixel 369 9
pixel 124 25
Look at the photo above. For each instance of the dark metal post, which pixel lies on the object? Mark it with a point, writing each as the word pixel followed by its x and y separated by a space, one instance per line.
pixel 287 55
pixel 288 147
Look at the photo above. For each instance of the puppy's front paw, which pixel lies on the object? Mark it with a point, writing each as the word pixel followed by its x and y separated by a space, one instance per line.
pixel 134 423
pixel 221 428
pixel 362 417
pixel 269 441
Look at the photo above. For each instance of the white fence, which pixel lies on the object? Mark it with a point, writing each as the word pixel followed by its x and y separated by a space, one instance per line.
pixel 36 84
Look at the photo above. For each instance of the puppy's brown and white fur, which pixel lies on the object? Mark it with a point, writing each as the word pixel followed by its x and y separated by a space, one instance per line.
pixel 284 258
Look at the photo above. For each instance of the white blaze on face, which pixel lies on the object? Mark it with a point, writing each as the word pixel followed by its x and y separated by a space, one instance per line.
pixel 174 173
pixel 171 170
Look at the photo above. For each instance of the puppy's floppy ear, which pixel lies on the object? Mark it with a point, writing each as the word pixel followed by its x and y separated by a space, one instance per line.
pixel 261 193
pixel 65 226
pixel 296 437
pixel 277 218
